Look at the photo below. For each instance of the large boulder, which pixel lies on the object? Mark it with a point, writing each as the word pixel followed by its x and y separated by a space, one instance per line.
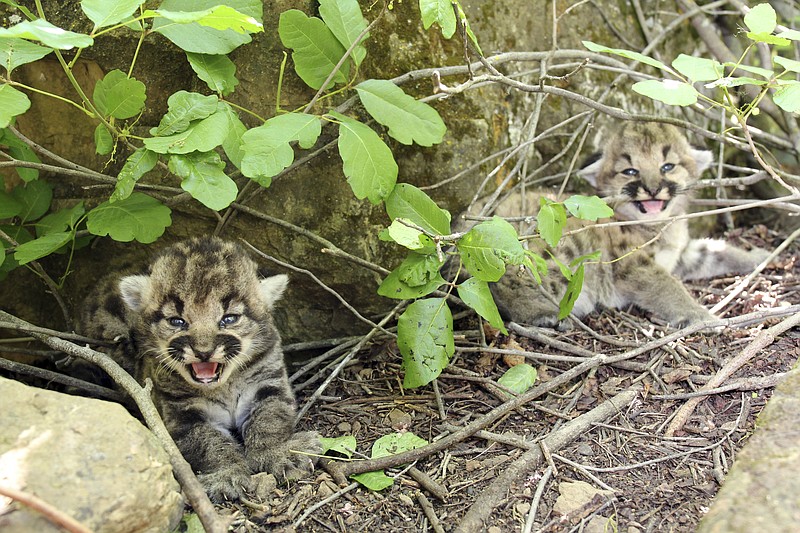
pixel 88 458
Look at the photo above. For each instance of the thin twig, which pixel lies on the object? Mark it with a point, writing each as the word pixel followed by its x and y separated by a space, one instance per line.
pixel 51 513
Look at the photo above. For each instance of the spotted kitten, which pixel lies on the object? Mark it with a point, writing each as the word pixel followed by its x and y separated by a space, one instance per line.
pixel 198 324
pixel 644 171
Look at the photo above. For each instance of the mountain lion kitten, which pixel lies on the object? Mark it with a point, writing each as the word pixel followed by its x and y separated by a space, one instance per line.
pixel 644 172
pixel 198 324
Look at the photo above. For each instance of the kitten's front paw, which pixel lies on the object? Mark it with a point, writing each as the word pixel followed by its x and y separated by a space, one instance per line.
pixel 227 484
pixel 290 460
pixel 691 317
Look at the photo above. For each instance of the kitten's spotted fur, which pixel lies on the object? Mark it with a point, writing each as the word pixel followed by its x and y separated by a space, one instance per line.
pixel 644 172
pixel 198 323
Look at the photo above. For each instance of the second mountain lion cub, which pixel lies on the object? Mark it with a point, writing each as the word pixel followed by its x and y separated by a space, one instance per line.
pixel 644 172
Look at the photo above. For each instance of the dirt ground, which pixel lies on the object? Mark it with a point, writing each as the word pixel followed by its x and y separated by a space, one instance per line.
pixel 631 476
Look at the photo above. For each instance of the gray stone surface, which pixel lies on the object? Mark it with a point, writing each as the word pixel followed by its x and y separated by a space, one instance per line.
pixel 762 490
pixel 88 458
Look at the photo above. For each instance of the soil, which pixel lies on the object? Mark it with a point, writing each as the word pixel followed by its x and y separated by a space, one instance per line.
pixel 656 483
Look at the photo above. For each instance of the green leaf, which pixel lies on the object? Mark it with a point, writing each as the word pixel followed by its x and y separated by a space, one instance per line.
pixel 138 216
pixel 266 148
pixel 220 17
pixel 16 52
pixel 103 142
pixel 476 294
pixel 233 143
pixel 417 276
pixel 316 51
pixel 218 71
pixel 550 221
pixel 768 38
pixel 183 108
pixel 787 97
pixel 35 198
pixel 409 202
pixel 373 480
pixel 343 445
pixel 201 135
pixel 368 163
pixel 137 165
pixel 52 36
pixel 12 103
pixel 588 207
pixel 9 206
pixel 789 64
pixel 761 19
pixel 763 72
pixel 20 235
pixel 109 12
pixel 734 82
pixel 406 236
pixel 467 28
pixel 627 54
pixel 488 247
pixel 668 91
pixel 698 68
pixel 62 220
pixel 193 524
pixel 519 378
pixel 38 248
pixel 205 39
pixel 425 338
pixel 119 96
pixel 344 19
pixel 408 120
pixel 22 152
pixel 440 12
pixel 794 35
pixel 574 287
pixel 204 179
pixel 395 443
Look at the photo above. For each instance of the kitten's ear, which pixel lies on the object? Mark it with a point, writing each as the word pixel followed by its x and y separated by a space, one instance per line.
pixel 591 168
pixel 272 288
pixel 134 290
pixel 702 159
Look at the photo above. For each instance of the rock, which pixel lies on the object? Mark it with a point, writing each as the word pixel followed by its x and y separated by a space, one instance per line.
pixel 574 495
pixel 88 458
pixel 760 491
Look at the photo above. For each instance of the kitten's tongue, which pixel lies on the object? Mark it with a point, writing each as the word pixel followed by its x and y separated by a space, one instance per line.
pixel 205 371
pixel 653 206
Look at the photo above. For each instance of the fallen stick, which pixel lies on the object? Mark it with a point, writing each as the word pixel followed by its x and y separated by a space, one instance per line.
pixel 764 339
pixel 478 514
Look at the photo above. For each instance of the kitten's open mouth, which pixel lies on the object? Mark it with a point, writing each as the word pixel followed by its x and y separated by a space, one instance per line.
pixel 649 207
pixel 205 372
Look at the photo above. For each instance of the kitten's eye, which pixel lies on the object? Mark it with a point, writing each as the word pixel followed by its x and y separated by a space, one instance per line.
pixel 666 167
pixel 630 172
pixel 228 320
pixel 177 322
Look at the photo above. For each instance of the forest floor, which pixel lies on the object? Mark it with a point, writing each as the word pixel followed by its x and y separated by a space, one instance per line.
pixel 617 470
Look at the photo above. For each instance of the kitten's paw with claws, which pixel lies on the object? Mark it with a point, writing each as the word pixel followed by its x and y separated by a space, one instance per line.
pixel 228 484
pixel 291 460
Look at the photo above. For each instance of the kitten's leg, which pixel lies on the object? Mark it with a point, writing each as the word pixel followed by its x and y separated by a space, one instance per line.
pixel 214 453
pixel 270 443
pixel 652 288
pixel 707 258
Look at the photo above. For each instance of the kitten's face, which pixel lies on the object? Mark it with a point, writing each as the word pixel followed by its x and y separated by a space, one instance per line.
pixel 204 311
pixel 645 171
